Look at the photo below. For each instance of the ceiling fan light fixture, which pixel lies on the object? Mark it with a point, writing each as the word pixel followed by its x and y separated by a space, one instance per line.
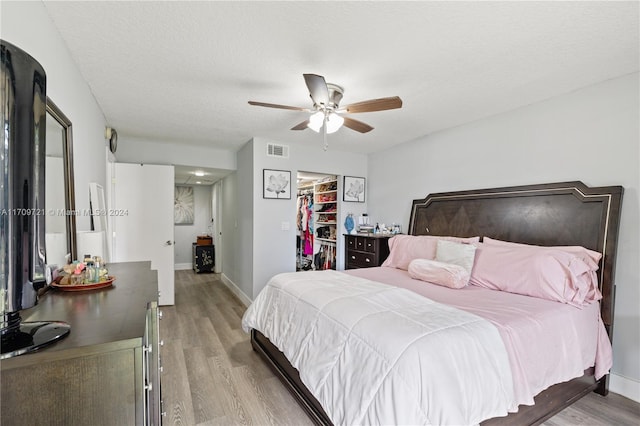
pixel 334 122
pixel 315 121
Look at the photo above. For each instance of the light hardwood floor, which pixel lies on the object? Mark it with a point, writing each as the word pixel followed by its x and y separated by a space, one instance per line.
pixel 213 377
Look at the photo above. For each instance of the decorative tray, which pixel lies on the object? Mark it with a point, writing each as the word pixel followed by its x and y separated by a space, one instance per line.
pixel 84 287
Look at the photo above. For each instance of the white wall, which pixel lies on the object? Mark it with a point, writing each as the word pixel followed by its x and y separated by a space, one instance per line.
pixel 185 235
pixel 590 135
pixel 27 25
pixel 138 150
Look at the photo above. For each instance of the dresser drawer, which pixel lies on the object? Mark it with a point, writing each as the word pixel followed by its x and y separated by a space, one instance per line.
pixel 358 259
pixel 361 243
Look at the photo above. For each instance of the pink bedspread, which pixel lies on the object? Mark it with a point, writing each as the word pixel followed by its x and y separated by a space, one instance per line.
pixel 547 342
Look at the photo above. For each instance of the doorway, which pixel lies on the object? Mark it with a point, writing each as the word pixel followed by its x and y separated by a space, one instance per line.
pixel 316 221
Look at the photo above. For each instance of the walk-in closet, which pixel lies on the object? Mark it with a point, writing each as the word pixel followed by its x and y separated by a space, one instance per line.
pixel 317 213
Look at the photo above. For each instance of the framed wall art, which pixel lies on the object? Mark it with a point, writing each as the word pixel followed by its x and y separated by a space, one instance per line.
pixel 353 189
pixel 276 184
pixel 183 208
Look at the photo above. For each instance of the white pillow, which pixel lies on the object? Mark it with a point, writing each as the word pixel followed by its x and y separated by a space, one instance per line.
pixel 434 272
pixel 457 253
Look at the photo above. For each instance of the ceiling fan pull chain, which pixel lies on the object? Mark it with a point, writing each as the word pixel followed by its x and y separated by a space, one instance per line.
pixel 324 130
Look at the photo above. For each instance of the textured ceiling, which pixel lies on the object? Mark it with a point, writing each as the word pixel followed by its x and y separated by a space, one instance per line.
pixel 186 175
pixel 184 71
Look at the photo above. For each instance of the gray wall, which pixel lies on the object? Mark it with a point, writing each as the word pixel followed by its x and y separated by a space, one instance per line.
pixel 242 224
pixel 590 135
pixel 274 249
pixel 28 26
pixel 263 248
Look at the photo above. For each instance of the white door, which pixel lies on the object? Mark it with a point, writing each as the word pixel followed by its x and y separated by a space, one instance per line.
pixel 142 214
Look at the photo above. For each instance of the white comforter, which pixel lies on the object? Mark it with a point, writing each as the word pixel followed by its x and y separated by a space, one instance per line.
pixel 377 354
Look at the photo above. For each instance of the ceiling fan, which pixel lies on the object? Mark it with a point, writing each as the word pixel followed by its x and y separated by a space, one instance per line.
pixel 326 108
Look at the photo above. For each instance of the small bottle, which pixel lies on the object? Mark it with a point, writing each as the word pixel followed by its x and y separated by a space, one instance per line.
pixel 377 230
pixel 97 264
pixel 90 272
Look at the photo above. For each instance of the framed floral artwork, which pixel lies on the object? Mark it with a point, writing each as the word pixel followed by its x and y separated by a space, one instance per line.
pixel 183 205
pixel 353 189
pixel 276 184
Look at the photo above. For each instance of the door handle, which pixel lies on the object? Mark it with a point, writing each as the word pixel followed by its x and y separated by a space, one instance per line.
pixel 168 243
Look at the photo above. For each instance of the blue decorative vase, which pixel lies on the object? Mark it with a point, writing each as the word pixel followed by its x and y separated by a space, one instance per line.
pixel 349 224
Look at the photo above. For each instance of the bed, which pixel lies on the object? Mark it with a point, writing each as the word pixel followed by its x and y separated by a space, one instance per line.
pixel 556 214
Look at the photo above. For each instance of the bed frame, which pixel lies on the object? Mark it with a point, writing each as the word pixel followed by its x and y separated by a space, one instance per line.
pixel 566 213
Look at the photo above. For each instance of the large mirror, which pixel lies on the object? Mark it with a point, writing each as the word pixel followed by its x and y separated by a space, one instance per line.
pixel 60 223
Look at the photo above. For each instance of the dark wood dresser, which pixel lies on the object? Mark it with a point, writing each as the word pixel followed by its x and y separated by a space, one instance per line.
pixel 106 371
pixel 365 251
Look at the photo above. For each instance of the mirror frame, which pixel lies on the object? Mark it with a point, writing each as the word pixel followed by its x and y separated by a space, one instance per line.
pixel 69 186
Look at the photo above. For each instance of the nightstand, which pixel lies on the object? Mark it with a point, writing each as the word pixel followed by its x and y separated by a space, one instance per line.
pixel 203 257
pixel 365 251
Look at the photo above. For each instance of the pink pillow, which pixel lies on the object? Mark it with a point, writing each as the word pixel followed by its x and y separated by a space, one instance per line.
pixel 590 257
pixel 404 248
pixel 551 274
pixel 440 273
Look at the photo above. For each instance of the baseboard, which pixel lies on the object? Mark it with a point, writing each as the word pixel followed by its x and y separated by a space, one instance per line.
pixel 246 301
pixel 629 388
pixel 182 266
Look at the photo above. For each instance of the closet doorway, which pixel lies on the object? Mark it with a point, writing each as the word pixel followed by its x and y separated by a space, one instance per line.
pixel 316 221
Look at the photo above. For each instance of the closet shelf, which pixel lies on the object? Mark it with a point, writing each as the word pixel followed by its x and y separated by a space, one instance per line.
pixel 325 202
pixel 326 223
pixel 326 240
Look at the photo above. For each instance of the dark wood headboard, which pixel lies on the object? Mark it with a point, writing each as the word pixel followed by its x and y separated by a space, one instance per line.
pixel 566 213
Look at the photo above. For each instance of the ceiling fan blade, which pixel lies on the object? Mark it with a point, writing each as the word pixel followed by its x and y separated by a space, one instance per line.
pixel 372 105
pixel 356 125
pixel 317 89
pixel 264 104
pixel 301 126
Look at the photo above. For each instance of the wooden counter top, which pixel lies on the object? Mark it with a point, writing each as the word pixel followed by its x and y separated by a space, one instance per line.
pixel 104 316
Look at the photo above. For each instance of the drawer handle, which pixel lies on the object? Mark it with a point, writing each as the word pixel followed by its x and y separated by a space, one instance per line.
pixel 149 387
pixel 161 342
pixel 159 314
pixel 353 257
pixel 369 244
pixel 367 260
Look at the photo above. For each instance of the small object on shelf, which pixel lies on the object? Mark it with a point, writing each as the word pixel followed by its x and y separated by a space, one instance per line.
pixel 349 224
pixel 204 240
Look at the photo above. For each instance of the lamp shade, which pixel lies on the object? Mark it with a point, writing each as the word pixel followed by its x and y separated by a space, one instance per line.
pixel 315 121
pixel 334 122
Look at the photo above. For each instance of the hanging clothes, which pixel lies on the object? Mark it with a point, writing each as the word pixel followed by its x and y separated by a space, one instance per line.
pixel 304 211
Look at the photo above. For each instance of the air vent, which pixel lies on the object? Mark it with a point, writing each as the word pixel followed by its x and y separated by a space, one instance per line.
pixel 275 150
